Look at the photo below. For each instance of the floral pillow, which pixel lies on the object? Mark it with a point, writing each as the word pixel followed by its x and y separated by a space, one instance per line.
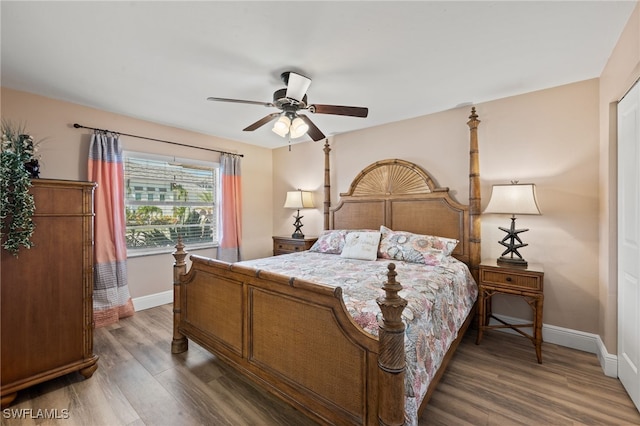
pixel 330 242
pixel 416 248
pixel 361 245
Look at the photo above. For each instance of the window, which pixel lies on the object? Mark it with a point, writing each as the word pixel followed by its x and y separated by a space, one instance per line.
pixel 166 197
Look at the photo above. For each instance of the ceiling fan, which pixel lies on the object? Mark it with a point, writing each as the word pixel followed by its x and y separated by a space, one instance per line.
pixel 290 101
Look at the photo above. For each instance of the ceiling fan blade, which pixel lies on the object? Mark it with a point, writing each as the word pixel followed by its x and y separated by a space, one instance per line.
pixel 240 101
pixel 297 86
pixel 261 122
pixel 339 110
pixel 313 132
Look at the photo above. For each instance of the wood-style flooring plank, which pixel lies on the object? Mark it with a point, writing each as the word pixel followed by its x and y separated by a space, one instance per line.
pixel 267 409
pixel 205 405
pixel 153 403
pixel 501 379
pixel 90 397
pixel 497 383
pixel 146 343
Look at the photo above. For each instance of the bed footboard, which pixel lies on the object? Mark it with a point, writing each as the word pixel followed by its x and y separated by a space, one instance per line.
pixel 295 338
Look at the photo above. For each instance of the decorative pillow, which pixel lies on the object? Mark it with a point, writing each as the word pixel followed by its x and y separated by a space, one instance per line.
pixel 410 247
pixel 361 245
pixel 330 242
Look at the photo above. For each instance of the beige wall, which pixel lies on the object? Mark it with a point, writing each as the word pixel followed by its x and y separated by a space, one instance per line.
pixel 549 138
pixel 621 71
pixel 64 156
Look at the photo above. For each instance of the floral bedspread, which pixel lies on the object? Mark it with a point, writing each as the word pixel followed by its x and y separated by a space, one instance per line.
pixel 439 299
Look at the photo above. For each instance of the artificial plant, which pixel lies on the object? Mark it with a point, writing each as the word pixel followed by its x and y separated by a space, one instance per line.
pixel 17 205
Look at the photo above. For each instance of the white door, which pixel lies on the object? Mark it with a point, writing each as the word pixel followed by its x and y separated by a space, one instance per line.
pixel 629 243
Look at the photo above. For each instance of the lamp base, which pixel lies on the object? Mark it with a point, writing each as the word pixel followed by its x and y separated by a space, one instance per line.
pixel 512 261
pixel 512 242
pixel 298 225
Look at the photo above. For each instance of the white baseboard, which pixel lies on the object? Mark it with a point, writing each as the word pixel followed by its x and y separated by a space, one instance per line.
pixel 608 362
pixel 152 300
pixel 574 339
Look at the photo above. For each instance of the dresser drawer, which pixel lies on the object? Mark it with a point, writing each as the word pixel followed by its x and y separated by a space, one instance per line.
pixel 510 279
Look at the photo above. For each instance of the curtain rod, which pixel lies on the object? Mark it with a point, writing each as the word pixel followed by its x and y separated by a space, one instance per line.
pixel 79 126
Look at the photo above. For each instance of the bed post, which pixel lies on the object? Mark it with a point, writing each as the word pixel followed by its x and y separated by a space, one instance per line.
pixel 391 357
pixel 327 184
pixel 179 343
pixel 474 195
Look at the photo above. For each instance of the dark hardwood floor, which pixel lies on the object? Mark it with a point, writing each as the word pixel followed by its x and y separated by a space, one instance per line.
pixel 139 382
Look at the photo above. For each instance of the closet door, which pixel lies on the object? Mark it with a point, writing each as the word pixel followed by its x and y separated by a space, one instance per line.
pixel 629 243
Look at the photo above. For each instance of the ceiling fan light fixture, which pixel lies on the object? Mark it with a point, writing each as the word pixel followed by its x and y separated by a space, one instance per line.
pixel 281 127
pixel 298 128
pixel 290 101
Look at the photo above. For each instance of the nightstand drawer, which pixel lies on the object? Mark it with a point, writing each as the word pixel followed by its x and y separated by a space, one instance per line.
pixel 507 279
pixel 287 247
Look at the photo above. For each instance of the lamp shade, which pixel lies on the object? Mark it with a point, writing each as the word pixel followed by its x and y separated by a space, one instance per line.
pixel 299 200
pixel 281 127
pixel 513 199
pixel 298 128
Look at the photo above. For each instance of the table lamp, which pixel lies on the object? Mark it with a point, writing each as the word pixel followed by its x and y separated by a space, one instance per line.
pixel 298 200
pixel 513 199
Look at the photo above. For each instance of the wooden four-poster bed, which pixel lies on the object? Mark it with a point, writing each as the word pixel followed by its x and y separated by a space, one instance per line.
pixel 300 339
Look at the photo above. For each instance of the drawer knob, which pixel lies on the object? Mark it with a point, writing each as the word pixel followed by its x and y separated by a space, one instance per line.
pixel 508 279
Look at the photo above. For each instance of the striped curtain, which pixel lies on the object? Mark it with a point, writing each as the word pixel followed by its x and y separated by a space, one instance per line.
pixel 111 299
pixel 230 208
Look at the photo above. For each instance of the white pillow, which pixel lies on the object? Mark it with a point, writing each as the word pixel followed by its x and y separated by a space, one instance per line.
pixel 361 245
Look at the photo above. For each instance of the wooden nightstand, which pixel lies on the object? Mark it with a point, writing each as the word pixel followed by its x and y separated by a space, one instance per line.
pixel 526 282
pixel 284 245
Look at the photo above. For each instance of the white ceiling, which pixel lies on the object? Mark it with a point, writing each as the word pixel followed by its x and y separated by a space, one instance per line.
pixel 159 61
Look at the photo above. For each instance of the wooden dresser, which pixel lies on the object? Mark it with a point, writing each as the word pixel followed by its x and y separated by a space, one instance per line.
pixel 46 292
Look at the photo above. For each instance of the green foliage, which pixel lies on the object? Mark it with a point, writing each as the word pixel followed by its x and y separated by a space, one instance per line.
pixel 181 193
pixel 16 203
pixel 148 227
pixel 138 236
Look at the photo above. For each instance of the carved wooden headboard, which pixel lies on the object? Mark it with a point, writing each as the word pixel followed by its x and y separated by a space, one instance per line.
pixel 402 196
